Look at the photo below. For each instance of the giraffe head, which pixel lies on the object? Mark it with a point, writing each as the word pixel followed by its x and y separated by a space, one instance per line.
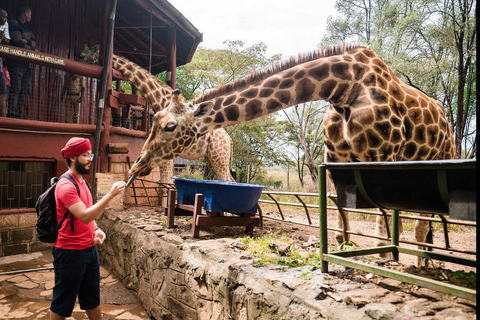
pixel 90 55
pixel 174 129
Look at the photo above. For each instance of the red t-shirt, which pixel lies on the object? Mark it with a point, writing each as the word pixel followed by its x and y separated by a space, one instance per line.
pixel 66 195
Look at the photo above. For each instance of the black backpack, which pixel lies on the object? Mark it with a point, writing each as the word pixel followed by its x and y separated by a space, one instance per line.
pixel 46 207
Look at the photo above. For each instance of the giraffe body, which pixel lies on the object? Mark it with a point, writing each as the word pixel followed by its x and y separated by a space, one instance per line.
pixel 374 116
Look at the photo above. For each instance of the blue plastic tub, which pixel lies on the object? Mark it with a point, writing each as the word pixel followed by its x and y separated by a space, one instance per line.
pixel 220 195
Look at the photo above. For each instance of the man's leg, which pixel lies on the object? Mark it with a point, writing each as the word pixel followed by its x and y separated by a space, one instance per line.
pixel 16 85
pixel 3 94
pixel 26 88
pixel 68 109
pixel 94 314
pixel 55 316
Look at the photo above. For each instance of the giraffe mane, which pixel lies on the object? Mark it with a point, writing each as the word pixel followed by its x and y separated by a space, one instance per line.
pixel 239 84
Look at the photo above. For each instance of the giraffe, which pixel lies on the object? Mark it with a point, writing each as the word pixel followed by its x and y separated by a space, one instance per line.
pixel 216 147
pixel 374 116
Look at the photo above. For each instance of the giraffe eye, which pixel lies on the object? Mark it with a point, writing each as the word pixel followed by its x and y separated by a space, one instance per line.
pixel 170 126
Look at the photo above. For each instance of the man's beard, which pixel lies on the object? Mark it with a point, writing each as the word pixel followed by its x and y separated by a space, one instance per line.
pixel 81 168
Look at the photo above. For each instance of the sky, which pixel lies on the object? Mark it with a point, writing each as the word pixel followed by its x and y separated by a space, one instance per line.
pixel 287 27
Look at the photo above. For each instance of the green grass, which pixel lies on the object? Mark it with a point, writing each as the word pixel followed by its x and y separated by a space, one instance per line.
pixel 265 252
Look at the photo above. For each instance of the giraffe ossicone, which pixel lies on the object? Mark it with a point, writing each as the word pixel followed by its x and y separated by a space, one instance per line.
pixel 373 115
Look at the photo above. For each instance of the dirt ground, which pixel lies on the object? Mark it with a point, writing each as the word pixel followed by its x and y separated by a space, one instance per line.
pixel 295 226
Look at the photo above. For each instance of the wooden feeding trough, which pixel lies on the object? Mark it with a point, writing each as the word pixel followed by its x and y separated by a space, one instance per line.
pixel 208 200
pixel 444 187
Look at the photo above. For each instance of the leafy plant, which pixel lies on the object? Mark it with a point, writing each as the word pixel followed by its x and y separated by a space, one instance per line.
pixel 468 279
pixel 348 245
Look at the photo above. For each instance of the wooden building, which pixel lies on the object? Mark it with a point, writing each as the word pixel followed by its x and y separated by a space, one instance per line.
pixel 151 33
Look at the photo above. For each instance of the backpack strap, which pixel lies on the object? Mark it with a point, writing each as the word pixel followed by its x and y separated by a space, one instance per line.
pixel 67 176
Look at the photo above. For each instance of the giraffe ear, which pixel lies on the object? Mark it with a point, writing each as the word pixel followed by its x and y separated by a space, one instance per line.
pixel 203 109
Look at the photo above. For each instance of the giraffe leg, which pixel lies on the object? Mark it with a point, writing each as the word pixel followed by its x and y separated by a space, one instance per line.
pixel 166 173
pixel 382 230
pixel 343 223
pixel 219 154
pixel 421 231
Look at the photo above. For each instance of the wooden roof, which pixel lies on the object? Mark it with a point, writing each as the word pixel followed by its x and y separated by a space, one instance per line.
pixel 63 27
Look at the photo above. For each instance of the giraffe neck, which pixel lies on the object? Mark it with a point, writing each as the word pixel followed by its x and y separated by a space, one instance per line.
pixel 157 93
pixel 338 77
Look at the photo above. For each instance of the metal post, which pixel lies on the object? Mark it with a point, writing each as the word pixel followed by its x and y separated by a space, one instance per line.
pixel 322 189
pixel 395 233
pixel 103 89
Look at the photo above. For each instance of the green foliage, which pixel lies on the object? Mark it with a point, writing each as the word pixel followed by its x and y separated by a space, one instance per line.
pixel 255 145
pixel 348 246
pixel 265 253
pixel 467 279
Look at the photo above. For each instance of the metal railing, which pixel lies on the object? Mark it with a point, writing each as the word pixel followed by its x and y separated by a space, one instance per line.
pixel 307 206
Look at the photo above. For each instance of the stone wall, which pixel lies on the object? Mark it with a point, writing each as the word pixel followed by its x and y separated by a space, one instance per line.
pixel 18 234
pixel 181 278
pixel 177 277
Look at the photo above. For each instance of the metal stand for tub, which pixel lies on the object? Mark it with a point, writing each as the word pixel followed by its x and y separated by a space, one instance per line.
pixel 444 187
pixel 202 217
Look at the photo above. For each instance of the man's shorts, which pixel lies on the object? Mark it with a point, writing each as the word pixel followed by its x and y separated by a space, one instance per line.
pixel 77 272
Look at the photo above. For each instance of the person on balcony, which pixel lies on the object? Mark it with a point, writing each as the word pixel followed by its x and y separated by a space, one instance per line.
pixel 4 39
pixel 72 95
pixel 20 72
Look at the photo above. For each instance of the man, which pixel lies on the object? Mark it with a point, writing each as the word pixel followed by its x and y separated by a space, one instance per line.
pixel 72 94
pixel 4 39
pixel 76 263
pixel 20 73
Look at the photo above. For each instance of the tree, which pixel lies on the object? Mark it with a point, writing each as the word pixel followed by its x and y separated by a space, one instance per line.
pixel 256 144
pixel 304 131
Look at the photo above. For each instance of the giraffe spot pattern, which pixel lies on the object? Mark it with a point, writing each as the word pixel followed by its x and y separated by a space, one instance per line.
pixel 327 88
pixel 232 113
pixel 300 74
pixel 250 93
pixel 339 92
pixel 253 110
pixel 286 84
pixel 378 96
pixel 410 150
pixel 373 139
pixel 383 128
pixel 219 117
pixel 358 71
pixel 218 104
pixel 341 71
pixel 273 105
pixel 242 100
pixel 304 90
pixel 319 73
pixel 229 100
pixel 272 83
pixel 264 93
pixel 283 96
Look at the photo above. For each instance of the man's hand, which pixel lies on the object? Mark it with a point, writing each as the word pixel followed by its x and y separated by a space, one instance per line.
pixel 117 188
pixel 99 236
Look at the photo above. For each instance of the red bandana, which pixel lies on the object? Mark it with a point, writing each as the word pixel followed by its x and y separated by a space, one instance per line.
pixel 75 147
